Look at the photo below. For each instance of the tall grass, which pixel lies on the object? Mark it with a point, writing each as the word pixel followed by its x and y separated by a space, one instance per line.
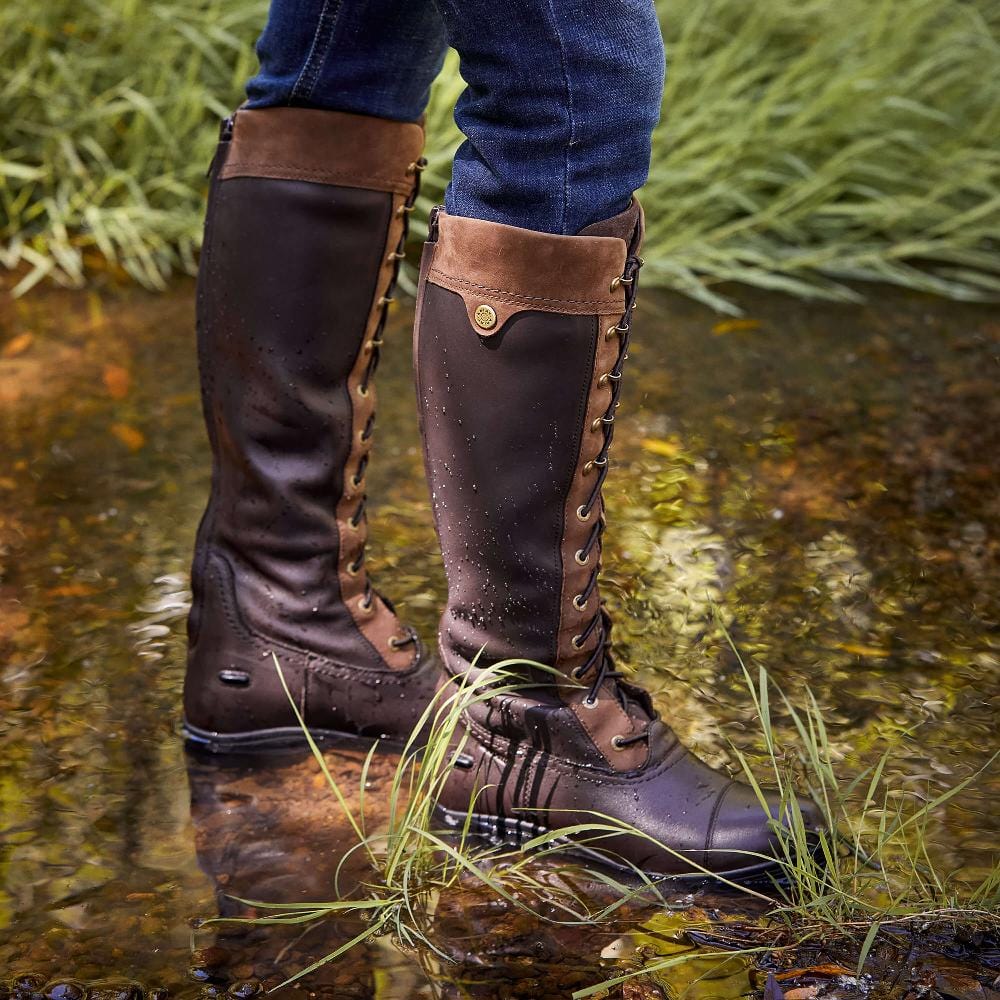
pixel 805 144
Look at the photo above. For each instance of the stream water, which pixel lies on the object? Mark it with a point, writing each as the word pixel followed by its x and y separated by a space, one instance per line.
pixel 823 482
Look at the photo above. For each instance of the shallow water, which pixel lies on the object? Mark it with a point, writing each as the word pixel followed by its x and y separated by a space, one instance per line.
pixel 823 481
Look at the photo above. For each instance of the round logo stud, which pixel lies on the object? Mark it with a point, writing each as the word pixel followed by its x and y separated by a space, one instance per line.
pixel 486 318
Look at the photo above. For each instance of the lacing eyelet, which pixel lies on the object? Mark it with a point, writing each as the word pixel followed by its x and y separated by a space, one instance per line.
pixel 395 643
pixel 580 603
pixel 581 557
pixel 395 255
pixel 384 300
pixel 582 514
pixel 362 391
pixel 589 467
pixel 616 283
pixel 354 567
pixel 611 333
pixel 588 704
pixel 366 608
pixel 356 481
pixel 595 424
pixel 618 744
pixel 604 379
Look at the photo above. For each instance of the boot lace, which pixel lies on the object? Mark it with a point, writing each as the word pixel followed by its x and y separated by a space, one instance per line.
pixel 372 348
pixel 600 662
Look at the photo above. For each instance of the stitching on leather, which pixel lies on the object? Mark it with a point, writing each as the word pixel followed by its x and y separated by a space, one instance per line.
pixel 292 171
pixel 517 297
pixel 716 809
pixel 330 667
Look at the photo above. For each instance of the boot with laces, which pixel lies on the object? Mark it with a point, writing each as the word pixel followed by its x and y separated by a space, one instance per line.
pixel 305 231
pixel 520 345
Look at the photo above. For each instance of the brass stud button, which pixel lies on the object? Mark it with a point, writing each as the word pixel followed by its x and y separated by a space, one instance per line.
pixel 486 317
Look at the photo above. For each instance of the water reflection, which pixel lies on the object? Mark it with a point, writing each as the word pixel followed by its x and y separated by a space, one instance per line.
pixel 275 834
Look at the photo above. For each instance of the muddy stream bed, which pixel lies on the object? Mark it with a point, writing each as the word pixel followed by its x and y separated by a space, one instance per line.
pixel 825 481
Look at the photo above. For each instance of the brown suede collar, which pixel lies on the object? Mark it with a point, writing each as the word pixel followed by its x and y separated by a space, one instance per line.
pixel 325 147
pixel 502 270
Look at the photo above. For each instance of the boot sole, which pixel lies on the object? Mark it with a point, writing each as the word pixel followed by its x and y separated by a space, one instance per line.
pixel 264 741
pixel 508 831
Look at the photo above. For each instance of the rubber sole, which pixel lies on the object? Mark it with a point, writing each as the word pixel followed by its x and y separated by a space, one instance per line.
pixel 508 831
pixel 264 741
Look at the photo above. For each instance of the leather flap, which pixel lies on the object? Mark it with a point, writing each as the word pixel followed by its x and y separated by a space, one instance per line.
pixel 502 270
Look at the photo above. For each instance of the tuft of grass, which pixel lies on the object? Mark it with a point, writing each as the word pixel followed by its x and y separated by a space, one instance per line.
pixel 805 146
pixel 410 861
pixel 871 872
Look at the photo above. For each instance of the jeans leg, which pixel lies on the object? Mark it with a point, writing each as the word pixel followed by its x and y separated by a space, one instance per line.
pixel 561 102
pixel 371 57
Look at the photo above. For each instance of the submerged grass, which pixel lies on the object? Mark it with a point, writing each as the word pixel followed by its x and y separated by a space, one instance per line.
pixel 872 872
pixel 804 144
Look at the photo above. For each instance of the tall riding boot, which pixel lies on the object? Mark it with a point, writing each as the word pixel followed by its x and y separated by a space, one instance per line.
pixel 305 231
pixel 520 342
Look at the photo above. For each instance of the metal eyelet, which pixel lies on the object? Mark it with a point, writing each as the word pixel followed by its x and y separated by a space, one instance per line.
pixel 604 379
pixel 617 744
pixel 366 609
pixel 356 481
pixel 595 424
pixel 580 605
pixel 384 300
pixel 611 333
pixel 582 561
pixel 589 467
pixel 616 283
pixel 405 209
pixel 395 255
pixel 588 704
pixel 581 516
pixel 362 391
pixel 395 643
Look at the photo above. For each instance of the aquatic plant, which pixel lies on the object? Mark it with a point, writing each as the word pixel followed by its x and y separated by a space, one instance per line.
pixel 804 144
pixel 860 879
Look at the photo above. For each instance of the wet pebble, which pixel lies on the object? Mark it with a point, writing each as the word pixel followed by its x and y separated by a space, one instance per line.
pixel 28 983
pixel 115 991
pixel 245 989
pixel 210 958
pixel 65 991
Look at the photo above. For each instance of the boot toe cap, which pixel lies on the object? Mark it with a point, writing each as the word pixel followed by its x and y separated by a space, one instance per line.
pixel 743 834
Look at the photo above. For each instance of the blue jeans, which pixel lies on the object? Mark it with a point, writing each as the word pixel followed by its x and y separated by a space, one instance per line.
pixel 561 100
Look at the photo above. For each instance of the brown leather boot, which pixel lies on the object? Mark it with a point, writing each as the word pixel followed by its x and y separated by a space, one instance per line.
pixel 305 231
pixel 520 342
